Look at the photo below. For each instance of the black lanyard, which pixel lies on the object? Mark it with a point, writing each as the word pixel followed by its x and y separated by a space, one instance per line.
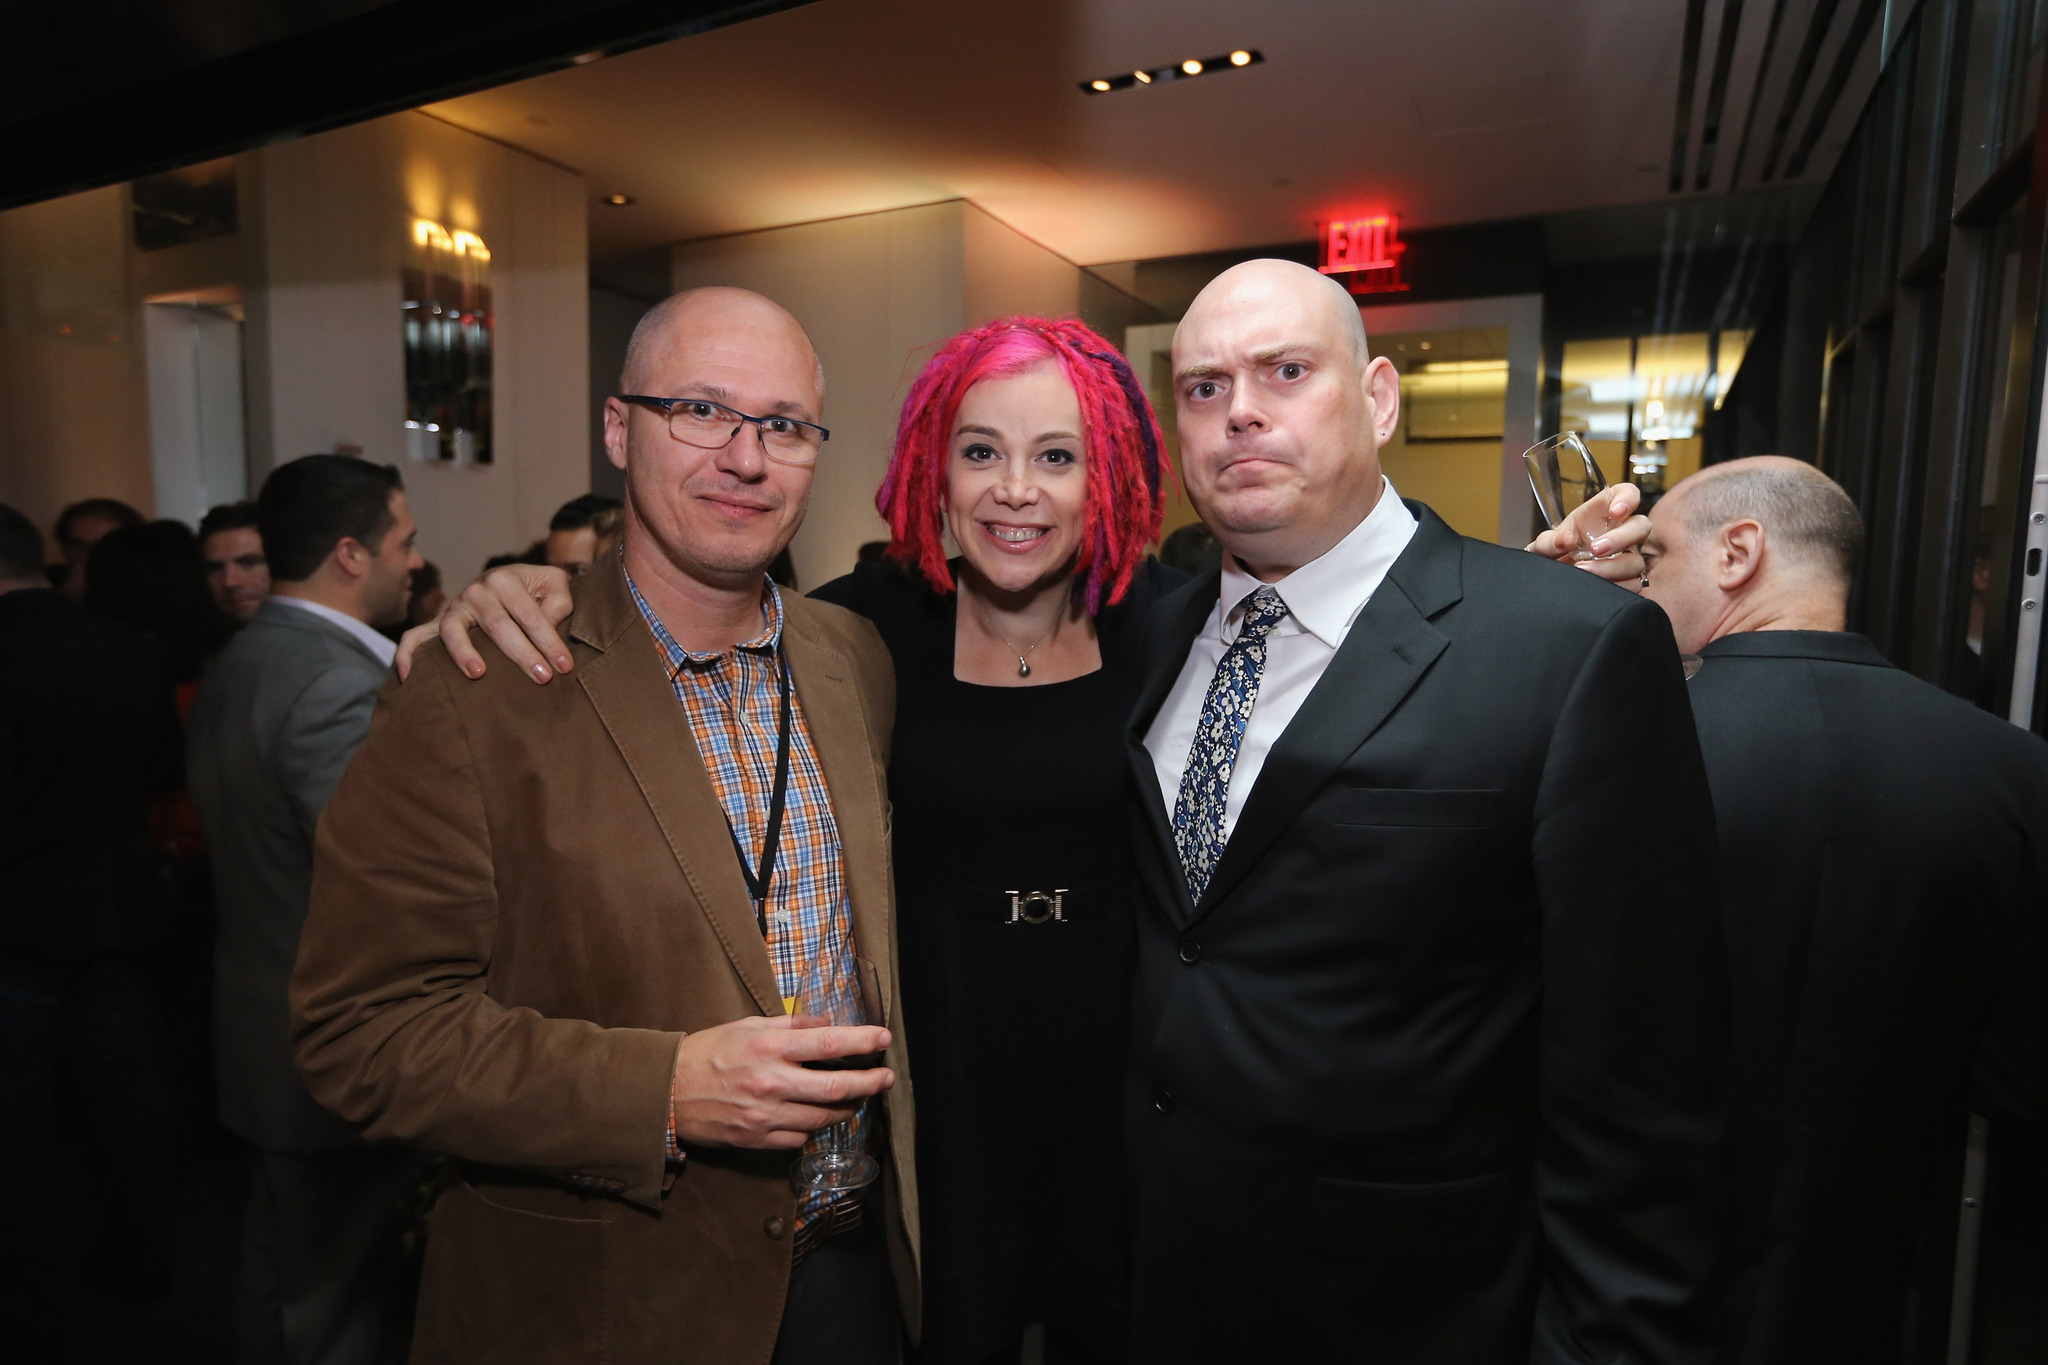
pixel 757 885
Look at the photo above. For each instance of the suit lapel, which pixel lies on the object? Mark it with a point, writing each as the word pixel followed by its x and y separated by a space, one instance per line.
pixel 634 698
pixel 1179 621
pixel 1388 650
pixel 846 748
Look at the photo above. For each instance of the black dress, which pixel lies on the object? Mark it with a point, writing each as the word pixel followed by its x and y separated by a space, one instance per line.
pixel 1006 798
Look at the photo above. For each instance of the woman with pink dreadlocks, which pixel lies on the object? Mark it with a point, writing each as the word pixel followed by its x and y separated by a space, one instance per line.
pixel 1032 444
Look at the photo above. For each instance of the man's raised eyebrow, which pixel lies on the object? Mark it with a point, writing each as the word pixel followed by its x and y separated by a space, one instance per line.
pixel 1264 356
pixel 1270 354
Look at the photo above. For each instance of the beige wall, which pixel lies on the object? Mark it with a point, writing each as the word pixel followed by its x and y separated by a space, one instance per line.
pixel 879 293
pixel 327 225
pixel 1009 275
pixel 74 398
pixel 1460 480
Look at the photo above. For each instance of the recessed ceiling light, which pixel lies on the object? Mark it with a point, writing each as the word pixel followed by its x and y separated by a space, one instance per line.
pixel 1179 71
pixel 618 201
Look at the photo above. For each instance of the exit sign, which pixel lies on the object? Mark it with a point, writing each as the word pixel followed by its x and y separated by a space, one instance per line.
pixel 1369 250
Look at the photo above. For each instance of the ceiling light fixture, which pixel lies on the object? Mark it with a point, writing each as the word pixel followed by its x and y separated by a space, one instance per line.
pixel 1465 366
pixel 618 201
pixel 1185 70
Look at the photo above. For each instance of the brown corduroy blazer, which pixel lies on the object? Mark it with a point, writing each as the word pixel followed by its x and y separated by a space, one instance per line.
pixel 523 897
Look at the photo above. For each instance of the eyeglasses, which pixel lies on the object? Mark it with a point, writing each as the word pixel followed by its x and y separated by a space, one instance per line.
pixel 707 425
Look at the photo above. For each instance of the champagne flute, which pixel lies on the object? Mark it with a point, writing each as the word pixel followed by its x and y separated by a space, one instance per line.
pixel 1564 477
pixel 839 989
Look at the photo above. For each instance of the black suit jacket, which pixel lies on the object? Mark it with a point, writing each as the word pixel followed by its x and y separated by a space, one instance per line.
pixel 1435 1070
pixel 1884 849
pixel 88 731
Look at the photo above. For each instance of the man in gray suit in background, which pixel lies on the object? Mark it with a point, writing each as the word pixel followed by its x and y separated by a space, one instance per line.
pixel 273 728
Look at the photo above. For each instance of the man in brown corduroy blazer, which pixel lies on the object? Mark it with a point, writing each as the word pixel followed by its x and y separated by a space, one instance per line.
pixel 532 946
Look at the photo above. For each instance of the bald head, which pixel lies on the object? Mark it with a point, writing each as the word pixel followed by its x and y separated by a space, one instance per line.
pixel 1282 413
pixel 1766 543
pixel 715 517
pixel 1268 284
pixel 697 314
pixel 1812 525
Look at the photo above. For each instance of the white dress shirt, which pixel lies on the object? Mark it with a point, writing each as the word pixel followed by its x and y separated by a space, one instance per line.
pixel 1323 598
pixel 373 640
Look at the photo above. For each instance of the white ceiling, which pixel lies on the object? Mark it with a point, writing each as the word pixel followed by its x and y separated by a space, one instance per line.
pixel 1444 111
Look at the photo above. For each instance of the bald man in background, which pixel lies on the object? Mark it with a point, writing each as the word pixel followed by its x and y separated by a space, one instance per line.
pixel 1884 868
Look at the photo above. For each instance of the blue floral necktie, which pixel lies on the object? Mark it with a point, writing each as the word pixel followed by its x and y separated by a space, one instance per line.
pixel 1205 782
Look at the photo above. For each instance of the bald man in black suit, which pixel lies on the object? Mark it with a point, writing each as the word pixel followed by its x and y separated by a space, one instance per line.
pixel 1884 868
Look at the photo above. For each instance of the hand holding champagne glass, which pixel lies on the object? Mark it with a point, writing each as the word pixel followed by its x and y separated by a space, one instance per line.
pixel 844 990
pixel 1565 477
pixel 1572 494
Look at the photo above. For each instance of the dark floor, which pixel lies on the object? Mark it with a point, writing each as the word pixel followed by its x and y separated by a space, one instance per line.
pixel 189 1323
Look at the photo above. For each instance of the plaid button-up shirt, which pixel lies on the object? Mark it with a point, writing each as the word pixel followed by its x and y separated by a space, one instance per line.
pixel 733 700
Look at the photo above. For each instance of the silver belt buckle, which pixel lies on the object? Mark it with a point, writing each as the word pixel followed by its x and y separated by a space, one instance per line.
pixel 1038 907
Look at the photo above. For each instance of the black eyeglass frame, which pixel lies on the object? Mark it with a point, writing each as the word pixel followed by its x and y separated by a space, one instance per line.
pixel 666 407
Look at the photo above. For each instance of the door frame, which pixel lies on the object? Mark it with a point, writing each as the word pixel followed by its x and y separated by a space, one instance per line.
pixel 1522 316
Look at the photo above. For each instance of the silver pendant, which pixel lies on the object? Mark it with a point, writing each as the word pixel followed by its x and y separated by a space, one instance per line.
pixel 1023 669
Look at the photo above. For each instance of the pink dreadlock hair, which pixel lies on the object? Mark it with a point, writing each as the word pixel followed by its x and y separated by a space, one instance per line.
pixel 1120 438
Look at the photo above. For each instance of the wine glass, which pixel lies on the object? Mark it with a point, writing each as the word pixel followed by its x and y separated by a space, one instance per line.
pixel 1564 477
pixel 838 989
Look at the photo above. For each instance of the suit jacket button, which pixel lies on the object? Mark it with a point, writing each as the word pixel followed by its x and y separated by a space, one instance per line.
pixel 774 1227
pixel 1162 1101
pixel 1190 952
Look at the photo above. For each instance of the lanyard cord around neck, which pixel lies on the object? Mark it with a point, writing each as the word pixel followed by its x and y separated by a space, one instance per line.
pixel 757 883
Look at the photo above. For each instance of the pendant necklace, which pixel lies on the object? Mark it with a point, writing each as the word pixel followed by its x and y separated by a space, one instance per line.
pixel 1023 668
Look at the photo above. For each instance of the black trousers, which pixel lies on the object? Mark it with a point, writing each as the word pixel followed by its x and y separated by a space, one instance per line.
pixel 841 1308
pixel 81 1055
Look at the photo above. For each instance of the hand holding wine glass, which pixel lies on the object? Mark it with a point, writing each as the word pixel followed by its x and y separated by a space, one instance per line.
pixel 838 990
pixel 744 1083
pixel 1617 555
pixel 1567 481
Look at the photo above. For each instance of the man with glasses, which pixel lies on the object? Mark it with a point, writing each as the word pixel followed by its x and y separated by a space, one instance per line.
pixel 557 933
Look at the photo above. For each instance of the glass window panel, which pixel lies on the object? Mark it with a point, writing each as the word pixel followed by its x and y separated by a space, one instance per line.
pixel 1598 391
pixel 1672 376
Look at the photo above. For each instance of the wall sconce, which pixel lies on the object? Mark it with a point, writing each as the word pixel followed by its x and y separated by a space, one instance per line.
pixel 447 331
